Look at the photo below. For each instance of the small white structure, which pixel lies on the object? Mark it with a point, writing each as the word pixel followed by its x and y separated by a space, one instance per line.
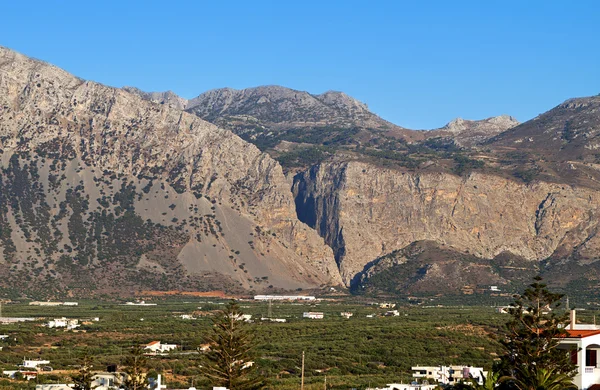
pixel 187 317
pixel 449 375
pixel 313 315
pixel 392 313
pixel 386 305
pixel 38 303
pixel 346 314
pixel 494 288
pixel 3 336
pixel 284 298
pixel 35 363
pixel 139 303
pixel 244 317
pixel 273 319
pixel 67 323
pixel 158 347
pixel 502 309
pixel 413 386
pixel 70 303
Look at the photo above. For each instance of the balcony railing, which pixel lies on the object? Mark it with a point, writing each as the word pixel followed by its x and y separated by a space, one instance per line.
pixel 589 370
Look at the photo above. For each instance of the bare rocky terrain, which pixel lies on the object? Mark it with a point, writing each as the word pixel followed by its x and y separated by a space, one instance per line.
pixel 103 191
pixel 106 190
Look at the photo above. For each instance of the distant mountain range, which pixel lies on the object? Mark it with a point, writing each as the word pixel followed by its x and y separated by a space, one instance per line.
pixel 114 191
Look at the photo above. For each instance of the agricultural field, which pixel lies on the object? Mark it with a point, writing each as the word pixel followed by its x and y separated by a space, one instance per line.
pixel 357 352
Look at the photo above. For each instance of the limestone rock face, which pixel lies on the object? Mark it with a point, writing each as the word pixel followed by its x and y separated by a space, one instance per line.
pixel 474 132
pixel 365 212
pixel 168 97
pixel 76 153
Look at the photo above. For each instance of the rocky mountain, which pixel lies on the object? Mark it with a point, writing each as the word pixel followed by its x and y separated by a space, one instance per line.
pixel 474 132
pixel 365 212
pixel 104 192
pixel 570 131
pixel 105 189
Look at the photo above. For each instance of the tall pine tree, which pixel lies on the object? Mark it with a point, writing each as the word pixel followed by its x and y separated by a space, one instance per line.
pixel 84 378
pixel 229 362
pixel 135 368
pixel 532 336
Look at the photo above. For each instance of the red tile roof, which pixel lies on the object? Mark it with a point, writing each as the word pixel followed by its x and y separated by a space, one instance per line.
pixel 579 334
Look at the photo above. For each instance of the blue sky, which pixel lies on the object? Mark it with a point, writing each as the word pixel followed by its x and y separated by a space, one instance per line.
pixel 418 64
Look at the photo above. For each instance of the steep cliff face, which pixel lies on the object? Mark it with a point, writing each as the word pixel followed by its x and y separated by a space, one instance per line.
pixel 83 164
pixel 365 212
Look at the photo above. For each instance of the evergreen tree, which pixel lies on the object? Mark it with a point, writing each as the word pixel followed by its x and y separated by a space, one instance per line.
pixel 532 334
pixel 83 380
pixel 229 361
pixel 135 368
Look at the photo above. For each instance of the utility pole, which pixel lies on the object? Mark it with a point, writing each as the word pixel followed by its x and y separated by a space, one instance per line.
pixel 325 383
pixel 302 380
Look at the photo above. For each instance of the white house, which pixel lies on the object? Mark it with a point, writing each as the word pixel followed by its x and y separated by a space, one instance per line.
pixel 108 380
pixel 583 342
pixel 28 375
pixel 158 347
pixel 346 314
pixel 67 323
pixel 313 315
pixel 449 375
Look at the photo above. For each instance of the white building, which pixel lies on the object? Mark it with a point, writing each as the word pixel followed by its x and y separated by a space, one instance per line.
pixel 313 315
pixel 449 375
pixel 284 298
pixel 28 375
pixel 392 313
pixel 139 303
pixel 158 347
pixel 35 363
pixel 413 386
pixel 583 342
pixel 273 319
pixel 67 323
pixel 346 314
pixel 108 380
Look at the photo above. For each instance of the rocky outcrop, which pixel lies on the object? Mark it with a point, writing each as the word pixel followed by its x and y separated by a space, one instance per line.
pixel 474 132
pixel 75 151
pixel 274 105
pixel 365 212
pixel 169 97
